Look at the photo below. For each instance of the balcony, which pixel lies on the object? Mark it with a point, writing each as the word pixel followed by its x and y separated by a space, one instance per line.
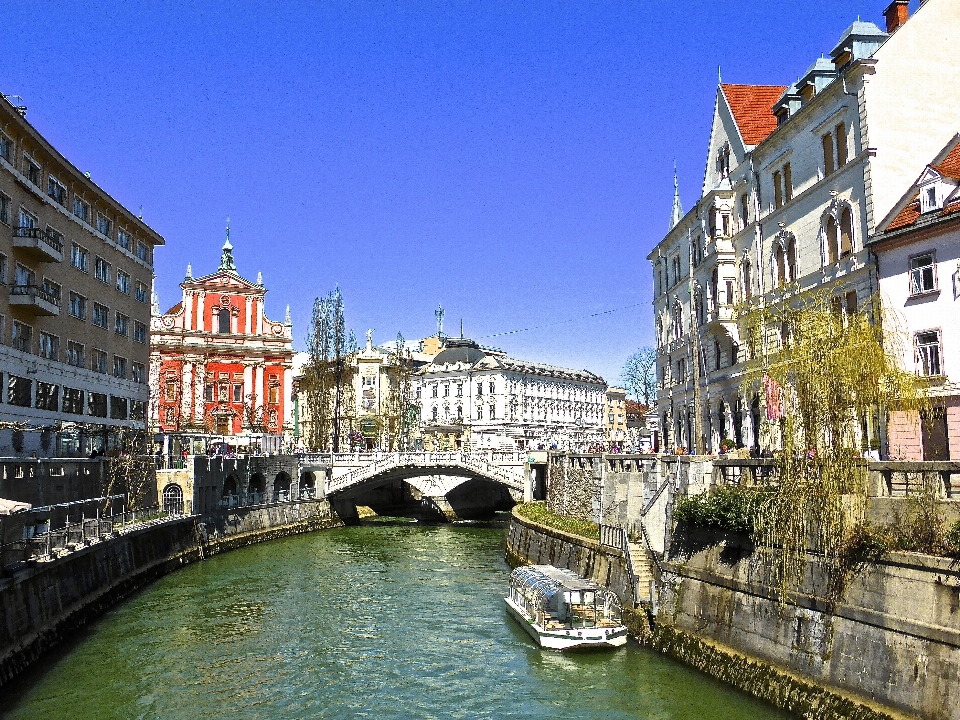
pixel 34 299
pixel 38 244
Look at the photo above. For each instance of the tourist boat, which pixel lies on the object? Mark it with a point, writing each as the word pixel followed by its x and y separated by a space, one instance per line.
pixel 562 611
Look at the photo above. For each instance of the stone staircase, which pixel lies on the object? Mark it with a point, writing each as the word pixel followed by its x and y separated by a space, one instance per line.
pixel 642 570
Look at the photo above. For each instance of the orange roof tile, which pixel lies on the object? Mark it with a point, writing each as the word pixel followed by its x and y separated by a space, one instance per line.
pixel 907 216
pixel 950 167
pixel 752 107
pixel 175 309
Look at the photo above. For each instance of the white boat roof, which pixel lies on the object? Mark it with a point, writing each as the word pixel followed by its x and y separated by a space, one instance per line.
pixel 567 579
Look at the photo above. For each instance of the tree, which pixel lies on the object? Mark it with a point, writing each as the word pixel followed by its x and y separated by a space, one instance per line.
pixel 397 407
pixel 639 375
pixel 328 378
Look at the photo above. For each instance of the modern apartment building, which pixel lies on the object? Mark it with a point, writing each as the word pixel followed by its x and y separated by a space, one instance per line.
pixel 797 179
pixel 76 272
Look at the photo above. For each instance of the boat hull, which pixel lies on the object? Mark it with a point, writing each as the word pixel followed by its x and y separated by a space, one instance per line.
pixel 568 639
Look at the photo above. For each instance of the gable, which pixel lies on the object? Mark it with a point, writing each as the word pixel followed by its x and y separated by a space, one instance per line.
pixel 752 109
pixel 224 280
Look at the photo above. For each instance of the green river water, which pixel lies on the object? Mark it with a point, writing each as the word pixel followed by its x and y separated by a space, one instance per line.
pixel 387 620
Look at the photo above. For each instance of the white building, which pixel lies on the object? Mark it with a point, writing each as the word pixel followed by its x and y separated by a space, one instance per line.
pixel 797 179
pixel 918 261
pixel 482 398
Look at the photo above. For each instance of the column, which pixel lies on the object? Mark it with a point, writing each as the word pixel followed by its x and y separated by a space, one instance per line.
pixel 258 384
pixel 200 375
pixel 201 320
pixel 288 391
pixel 247 316
pixel 186 392
pixel 187 309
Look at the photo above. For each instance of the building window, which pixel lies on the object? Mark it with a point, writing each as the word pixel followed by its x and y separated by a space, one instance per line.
pixel 929 353
pixel 143 252
pixel 841 133
pixel 53 290
pixel 49 346
pixel 123 239
pixel 74 354
pixel 3 269
pixel 208 392
pixel 72 401
pixel 777 190
pixel 121 324
pixel 433 391
pixel 19 390
pixel 26 220
pixel 827 142
pixel 141 292
pixel 171 391
pixel 48 396
pixel 493 387
pixel 273 392
pixel 119 367
pixel 139 331
pixel 104 225
pixel 6 147
pixel 833 240
pixel 56 191
pixel 4 209
pixel 479 413
pixel 81 209
pixel 80 258
pixel 744 210
pixel 846 232
pixel 434 413
pixel 747 279
pixel 123 282
pixel 923 276
pixel 98 361
pixel 78 306
pixel 31 170
pixel 787 183
pixel 100 315
pixel 223 321
pixel 479 388
pixel 97 404
pixel 238 393
pixel 459 389
pixel 102 270
pixel 493 412
pixel 21 337
pixel 223 392
pixel 138 410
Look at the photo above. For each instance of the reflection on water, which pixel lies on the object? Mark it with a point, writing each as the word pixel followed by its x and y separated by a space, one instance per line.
pixel 391 620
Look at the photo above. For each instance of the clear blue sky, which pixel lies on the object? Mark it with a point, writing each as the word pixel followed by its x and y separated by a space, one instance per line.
pixel 510 160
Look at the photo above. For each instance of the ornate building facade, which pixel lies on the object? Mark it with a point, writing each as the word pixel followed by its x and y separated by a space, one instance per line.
pixel 797 180
pixel 220 368
pixel 478 397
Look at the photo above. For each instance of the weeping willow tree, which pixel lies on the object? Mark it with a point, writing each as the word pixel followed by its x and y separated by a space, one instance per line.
pixel 396 411
pixel 826 371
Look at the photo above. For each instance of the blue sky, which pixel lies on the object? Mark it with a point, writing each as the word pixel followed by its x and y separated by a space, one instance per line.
pixel 510 161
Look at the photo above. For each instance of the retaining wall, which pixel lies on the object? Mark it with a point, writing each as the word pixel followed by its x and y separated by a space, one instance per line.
pixel 42 605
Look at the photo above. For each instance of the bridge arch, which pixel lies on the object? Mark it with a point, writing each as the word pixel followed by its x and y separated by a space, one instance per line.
pixel 281 487
pixel 308 484
pixel 257 488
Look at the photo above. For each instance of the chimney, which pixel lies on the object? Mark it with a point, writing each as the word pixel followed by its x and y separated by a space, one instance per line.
pixel 896 14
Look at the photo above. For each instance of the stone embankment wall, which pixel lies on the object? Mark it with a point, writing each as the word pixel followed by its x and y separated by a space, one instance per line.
pixel 42 605
pixel 894 639
pixel 529 543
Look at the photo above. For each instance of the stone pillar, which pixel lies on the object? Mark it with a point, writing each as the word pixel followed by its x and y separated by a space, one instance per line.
pixel 200 375
pixel 201 323
pixel 186 391
pixel 247 380
pixel 247 315
pixel 258 384
pixel 188 310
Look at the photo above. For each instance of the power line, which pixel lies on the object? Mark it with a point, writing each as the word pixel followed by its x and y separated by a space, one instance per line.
pixel 562 322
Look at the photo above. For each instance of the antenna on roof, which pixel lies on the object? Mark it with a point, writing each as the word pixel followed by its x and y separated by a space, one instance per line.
pixel 140 216
pixel 18 106
pixel 719 76
pixel 461 328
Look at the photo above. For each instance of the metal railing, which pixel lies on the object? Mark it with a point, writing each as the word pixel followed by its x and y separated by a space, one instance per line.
pixel 34 292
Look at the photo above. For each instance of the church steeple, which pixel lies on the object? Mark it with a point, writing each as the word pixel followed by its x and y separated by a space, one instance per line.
pixel 677 215
pixel 226 259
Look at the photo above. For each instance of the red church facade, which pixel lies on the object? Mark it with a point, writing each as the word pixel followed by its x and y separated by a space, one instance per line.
pixel 219 366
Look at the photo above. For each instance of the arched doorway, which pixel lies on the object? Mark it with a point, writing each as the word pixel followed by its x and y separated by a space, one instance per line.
pixel 308 485
pixel 229 497
pixel 257 492
pixel 281 487
pixel 173 499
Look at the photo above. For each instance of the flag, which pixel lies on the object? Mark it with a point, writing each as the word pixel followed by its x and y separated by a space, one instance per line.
pixel 774 398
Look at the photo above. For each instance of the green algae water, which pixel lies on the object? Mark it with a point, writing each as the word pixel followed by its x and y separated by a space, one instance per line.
pixel 387 620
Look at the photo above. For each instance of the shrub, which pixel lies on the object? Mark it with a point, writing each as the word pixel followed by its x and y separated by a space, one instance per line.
pixel 726 508
pixel 865 544
pixel 952 538
pixel 538 513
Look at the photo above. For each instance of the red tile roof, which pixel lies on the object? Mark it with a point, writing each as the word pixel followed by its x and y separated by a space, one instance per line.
pixel 752 107
pixel 949 168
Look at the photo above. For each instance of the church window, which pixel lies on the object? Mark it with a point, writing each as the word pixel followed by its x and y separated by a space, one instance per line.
pixel 223 318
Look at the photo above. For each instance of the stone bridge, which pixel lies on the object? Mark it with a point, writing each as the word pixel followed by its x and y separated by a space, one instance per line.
pixel 449 484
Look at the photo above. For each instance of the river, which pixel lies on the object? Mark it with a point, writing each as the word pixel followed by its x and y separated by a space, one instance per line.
pixel 386 620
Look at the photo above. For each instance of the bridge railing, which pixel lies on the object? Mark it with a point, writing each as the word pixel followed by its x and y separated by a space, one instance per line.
pixel 380 462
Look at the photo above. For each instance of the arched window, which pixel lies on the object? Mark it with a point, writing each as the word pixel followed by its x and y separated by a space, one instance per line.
pixel 781 264
pixel 677 321
pixel 846 232
pixel 747 279
pixel 714 290
pixel 791 260
pixel 435 411
pixel 223 318
pixel 833 240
